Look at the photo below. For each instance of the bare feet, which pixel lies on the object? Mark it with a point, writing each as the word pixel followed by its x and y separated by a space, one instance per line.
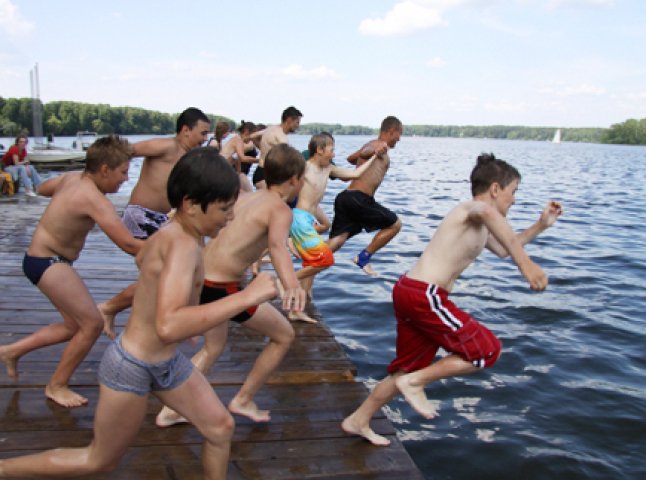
pixel 168 417
pixel 10 362
pixel 65 397
pixel 295 316
pixel 415 396
pixel 350 426
pixel 366 268
pixel 249 410
pixel 108 321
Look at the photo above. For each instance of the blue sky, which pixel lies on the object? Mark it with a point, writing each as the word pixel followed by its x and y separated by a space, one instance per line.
pixel 561 63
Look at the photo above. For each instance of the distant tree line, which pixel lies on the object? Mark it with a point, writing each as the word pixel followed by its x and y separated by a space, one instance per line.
pixel 592 135
pixel 67 118
pixel 630 132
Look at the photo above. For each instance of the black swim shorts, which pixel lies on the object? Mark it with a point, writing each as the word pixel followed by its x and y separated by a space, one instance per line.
pixel 355 211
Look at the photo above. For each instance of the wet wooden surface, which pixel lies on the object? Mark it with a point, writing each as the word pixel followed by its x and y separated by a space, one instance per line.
pixel 309 395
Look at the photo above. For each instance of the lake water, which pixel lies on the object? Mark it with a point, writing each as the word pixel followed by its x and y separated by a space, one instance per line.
pixel 567 399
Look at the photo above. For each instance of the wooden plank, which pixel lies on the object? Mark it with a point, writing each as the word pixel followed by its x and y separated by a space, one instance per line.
pixel 309 395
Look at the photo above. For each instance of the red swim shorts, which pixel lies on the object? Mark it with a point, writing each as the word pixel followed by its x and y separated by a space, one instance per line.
pixel 428 320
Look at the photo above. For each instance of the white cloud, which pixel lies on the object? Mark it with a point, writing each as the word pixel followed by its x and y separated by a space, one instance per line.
pixel 506 106
pixel 636 96
pixel 11 21
pixel 298 71
pixel 436 62
pixel 405 17
pixel 573 90
pixel 581 3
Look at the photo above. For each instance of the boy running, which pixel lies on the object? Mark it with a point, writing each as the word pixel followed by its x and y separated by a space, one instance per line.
pixel 356 209
pixel 148 207
pixel 262 220
pixel 315 253
pixel 78 203
pixel 427 319
pixel 144 359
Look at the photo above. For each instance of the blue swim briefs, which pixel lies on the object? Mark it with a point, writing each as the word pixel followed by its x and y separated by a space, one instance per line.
pixel 34 267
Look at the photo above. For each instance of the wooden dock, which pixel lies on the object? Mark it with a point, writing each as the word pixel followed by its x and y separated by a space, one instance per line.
pixel 309 395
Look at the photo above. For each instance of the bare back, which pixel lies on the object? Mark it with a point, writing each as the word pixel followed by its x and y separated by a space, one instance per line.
pixel 370 180
pixel 457 242
pixel 169 247
pixel 160 156
pixel 67 220
pixel 273 135
pixel 243 240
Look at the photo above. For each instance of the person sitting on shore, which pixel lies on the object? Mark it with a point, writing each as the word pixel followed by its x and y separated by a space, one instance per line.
pixel 427 319
pixel 78 203
pixel 16 162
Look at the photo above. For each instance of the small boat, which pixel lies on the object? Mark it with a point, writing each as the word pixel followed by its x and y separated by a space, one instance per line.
pixel 557 136
pixel 48 153
pixel 56 155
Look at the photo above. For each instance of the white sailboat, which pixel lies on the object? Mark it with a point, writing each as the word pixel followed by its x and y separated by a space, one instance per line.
pixel 557 136
pixel 48 153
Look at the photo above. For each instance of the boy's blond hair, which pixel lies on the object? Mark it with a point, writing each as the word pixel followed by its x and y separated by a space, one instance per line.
pixel 111 151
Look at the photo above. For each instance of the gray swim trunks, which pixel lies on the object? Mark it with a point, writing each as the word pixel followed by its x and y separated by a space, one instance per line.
pixel 122 372
pixel 142 222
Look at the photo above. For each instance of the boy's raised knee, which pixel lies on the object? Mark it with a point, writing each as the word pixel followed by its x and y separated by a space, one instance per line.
pixel 221 430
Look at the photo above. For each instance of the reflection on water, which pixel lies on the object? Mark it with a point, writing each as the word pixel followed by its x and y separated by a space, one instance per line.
pixel 567 399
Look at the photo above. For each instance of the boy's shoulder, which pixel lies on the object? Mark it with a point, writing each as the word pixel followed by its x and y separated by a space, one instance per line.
pixel 265 204
pixel 460 211
pixel 170 238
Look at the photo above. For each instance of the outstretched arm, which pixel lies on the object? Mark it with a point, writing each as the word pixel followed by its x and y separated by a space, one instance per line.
pixel 374 147
pixel 48 187
pixel 346 174
pixel 502 232
pixel 102 212
pixel 176 319
pixel 549 215
pixel 155 147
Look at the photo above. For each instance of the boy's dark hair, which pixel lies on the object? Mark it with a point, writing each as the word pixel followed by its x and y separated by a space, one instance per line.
pixel 246 127
pixel 282 163
pixel 290 112
pixel 320 140
pixel 390 122
pixel 204 176
pixel 490 169
pixel 190 117
pixel 111 150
